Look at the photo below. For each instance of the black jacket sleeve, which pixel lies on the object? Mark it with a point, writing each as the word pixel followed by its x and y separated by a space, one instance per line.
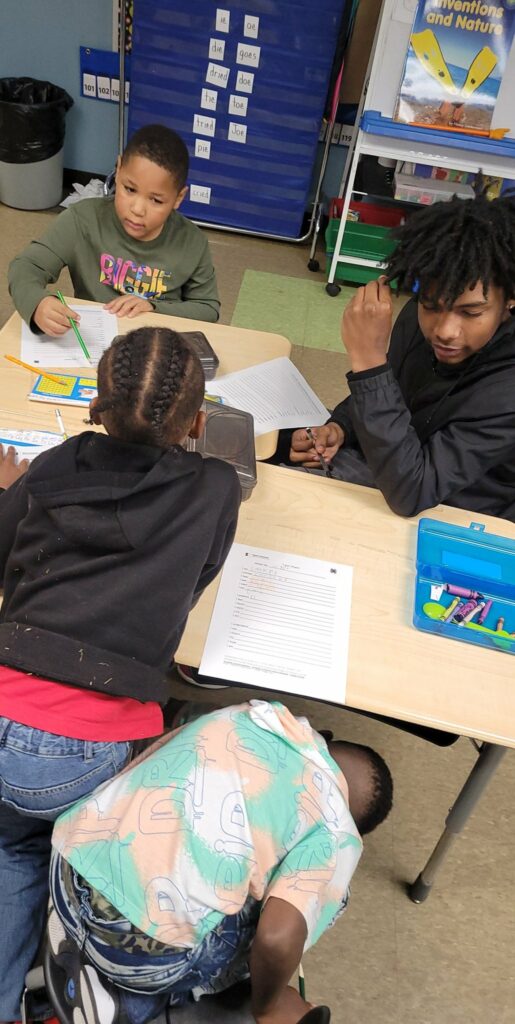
pixel 223 540
pixel 403 332
pixel 342 413
pixel 414 476
pixel 14 506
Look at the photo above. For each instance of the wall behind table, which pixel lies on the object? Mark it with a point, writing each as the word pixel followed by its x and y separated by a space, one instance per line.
pixel 41 39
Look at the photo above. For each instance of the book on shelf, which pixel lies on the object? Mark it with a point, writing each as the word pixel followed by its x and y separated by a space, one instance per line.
pixel 456 58
pixel 72 390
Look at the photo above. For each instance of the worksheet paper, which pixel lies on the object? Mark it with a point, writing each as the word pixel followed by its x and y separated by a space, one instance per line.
pixel 97 329
pixel 275 393
pixel 28 443
pixel 281 622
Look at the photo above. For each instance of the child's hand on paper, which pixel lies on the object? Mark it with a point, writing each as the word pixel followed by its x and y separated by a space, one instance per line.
pixel 367 325
pixel 289 1009
pixel 129 305
pixel 9 470
pixel 52 317
pixel 329 438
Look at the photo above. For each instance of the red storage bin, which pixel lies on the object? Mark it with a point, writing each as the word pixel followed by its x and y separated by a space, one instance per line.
pixel 370 213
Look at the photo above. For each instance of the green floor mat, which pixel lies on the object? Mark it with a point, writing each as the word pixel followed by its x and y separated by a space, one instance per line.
pixel 301 310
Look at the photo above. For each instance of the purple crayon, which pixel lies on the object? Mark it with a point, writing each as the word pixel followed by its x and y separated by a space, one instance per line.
pixel 462 591
pixel 454 606
pixel 471 614
pixel 460 615
pixel 452 609
pixel 485 611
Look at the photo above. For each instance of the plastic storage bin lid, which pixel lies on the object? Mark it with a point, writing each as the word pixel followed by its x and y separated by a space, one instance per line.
pixel 458 554
pixel 206 354
pixel 229 435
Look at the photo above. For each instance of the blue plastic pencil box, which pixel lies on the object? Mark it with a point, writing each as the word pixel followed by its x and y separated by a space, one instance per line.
pixel 451 559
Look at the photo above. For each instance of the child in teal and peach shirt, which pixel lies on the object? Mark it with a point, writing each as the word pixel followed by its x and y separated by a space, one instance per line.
pixel 230 842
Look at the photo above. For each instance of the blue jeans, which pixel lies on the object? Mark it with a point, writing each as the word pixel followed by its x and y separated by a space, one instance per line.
pixel 41 775
pixel 148 981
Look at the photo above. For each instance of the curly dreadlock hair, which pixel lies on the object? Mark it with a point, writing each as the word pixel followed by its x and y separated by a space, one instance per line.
pixel 446 248
pixel 163 147
pixel 152 384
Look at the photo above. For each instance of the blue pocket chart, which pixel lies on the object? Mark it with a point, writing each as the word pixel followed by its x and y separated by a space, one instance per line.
pixel 244 85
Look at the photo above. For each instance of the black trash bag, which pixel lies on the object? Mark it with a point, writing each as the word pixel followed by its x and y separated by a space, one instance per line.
pixel 31 119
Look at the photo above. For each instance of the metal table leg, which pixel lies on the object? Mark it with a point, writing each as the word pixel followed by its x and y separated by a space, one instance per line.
pixel 489 758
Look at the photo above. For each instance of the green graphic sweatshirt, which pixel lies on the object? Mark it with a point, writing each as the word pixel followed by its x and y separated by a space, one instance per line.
pixel 173 271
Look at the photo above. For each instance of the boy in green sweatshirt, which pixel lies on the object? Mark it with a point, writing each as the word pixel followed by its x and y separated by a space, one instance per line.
pixel 133 252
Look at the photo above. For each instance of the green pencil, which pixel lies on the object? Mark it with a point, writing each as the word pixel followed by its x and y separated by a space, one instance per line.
pixel 76 329
pixel 302 984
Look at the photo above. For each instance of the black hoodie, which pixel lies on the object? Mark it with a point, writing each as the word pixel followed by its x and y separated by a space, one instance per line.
pixel 432 433
pixel 104 548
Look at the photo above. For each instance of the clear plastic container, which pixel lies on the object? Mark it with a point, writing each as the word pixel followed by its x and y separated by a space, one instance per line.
pixel 206 354
pixel 427 191
pixel 455 559
pixel 229 435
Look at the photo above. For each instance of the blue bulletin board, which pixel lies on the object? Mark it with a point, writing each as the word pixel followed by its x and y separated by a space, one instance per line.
pixel 244 85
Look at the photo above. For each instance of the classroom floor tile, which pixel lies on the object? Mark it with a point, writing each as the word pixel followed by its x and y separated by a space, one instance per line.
pixel 300 309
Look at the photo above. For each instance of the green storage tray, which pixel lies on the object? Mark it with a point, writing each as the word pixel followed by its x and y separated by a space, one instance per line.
pixel 367 241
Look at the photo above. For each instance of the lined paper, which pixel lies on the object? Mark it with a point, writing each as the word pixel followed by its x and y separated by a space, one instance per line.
pixel 275 393
pixel 97 328
pixel 281 622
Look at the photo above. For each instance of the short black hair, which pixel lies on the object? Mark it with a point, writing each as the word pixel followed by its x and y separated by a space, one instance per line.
pixel 382 797
pixel 151 383
pixel 163 147
pixel 446 248
pixel 369 780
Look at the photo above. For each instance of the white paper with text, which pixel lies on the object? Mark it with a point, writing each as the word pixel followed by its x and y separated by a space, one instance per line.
pixel 275 393
pixel 28 443
pixel 97 328
pixel 281 622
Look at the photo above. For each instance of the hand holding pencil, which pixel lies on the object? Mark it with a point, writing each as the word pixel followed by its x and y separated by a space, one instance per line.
pixel 57 312
pixel 53 316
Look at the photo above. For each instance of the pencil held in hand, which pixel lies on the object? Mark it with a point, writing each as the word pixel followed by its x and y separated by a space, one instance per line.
pixel 327 468
pixel 76 331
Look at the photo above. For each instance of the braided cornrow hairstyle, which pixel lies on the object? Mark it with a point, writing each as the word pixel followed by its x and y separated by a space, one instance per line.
pixel 150 385
pixel 446 248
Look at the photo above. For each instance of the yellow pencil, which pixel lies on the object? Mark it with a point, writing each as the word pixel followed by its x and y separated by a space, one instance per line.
pixel 34 369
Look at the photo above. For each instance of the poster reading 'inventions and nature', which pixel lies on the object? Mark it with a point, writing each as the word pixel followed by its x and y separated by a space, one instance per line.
pixel 457 54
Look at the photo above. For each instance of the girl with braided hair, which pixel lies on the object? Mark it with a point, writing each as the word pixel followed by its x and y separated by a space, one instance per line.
pixel 431 412
pixel 106 542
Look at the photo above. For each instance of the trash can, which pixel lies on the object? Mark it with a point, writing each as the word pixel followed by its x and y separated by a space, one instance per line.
pixel 31 142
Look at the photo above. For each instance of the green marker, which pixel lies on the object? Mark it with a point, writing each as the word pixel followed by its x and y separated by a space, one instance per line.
pixel 77 332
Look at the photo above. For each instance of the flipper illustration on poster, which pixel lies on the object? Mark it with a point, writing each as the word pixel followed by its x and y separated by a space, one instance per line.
pixel 457 55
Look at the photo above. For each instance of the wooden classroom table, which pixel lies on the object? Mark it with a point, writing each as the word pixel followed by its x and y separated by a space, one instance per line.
pixel 235 347
pixel 394 669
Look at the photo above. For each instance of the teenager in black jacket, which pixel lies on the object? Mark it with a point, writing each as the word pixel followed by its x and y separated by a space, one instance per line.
pixel 106 542
pixel 431 413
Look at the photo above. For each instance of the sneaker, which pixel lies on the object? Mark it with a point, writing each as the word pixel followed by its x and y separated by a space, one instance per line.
pixel 190 675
